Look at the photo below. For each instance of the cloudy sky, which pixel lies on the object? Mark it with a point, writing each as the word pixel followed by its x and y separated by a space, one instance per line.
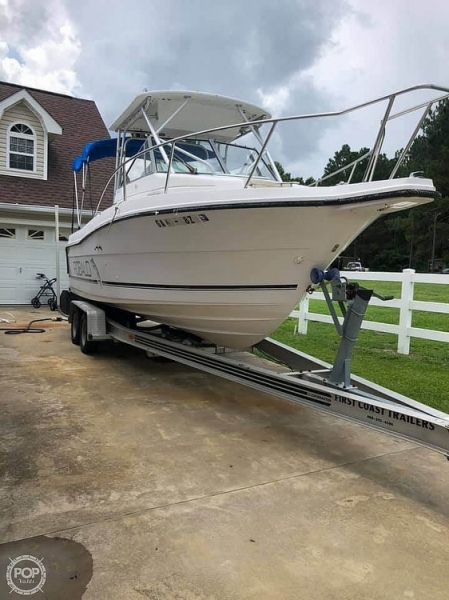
pixel 292 56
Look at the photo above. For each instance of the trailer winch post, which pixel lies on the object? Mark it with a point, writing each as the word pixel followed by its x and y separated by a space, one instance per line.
pixel 341 371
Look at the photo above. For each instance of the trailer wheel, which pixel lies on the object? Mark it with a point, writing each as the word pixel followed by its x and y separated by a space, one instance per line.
pixel 87 346
pixel 64 302
pixel 75 326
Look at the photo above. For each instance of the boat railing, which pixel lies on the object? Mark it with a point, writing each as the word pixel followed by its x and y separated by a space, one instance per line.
pixel 372 155
pixel 352 165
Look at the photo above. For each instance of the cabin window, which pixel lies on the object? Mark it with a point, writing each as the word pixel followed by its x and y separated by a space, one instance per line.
pixel 21 147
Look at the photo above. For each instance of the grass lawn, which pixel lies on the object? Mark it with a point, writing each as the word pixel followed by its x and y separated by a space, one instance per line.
pixel 422 375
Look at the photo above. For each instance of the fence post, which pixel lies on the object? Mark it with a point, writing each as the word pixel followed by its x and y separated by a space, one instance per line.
pixel 302 319
pixel 405 312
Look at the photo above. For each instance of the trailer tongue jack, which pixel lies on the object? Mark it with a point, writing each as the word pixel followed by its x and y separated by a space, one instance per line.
pixel 310 382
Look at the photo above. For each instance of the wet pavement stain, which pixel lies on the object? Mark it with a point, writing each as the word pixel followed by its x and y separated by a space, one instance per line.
pixel 59 568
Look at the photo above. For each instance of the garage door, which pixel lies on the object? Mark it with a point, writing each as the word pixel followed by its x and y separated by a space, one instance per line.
pixel 24 251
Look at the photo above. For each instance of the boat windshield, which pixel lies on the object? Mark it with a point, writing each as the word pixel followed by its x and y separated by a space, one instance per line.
pixel 204 157
pixel 239 160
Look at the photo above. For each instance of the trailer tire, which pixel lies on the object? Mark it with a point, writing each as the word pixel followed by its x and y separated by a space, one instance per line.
pixel 87 346
pixel 64 302
pixel 75 326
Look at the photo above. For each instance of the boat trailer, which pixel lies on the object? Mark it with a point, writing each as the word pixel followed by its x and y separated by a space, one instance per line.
pixel 288 373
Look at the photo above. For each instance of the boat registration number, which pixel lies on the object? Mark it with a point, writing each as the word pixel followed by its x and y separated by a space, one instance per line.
pixel 182 220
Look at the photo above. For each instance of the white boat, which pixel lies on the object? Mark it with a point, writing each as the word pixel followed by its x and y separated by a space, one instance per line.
pixel 203 235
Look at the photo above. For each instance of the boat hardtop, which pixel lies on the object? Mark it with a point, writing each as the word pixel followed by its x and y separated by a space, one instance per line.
pixel 185 112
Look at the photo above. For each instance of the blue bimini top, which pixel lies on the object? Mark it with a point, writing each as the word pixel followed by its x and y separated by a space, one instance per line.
pixel 105 149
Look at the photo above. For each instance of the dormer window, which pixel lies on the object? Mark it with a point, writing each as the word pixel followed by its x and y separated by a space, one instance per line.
pixel 21 147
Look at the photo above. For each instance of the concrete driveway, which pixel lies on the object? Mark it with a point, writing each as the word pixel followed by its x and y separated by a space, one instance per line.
pixel 135 478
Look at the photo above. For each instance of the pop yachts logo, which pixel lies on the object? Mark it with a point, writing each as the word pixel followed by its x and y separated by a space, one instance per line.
pixel 26 575
pixel 82 268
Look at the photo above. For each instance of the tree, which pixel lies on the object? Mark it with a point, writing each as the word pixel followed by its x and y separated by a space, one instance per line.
pixel 344 157
pixel 430 151
pixel 288 177
pixel 430 154
pixel 284 176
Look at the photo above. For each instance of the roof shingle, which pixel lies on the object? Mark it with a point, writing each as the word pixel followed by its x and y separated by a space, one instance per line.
pixel 81 123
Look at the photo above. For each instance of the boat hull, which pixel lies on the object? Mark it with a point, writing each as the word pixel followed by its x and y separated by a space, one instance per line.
pixel 229 274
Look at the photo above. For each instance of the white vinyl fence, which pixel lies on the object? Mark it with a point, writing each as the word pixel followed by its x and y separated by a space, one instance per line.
pixel 406 304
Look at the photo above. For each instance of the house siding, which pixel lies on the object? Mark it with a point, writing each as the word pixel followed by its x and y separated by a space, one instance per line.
pixel 20 113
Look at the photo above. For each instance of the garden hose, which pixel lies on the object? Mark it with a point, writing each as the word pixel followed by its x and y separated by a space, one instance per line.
pixel 28 328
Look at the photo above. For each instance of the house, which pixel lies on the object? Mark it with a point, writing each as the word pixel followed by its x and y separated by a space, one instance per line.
pixel 41 132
